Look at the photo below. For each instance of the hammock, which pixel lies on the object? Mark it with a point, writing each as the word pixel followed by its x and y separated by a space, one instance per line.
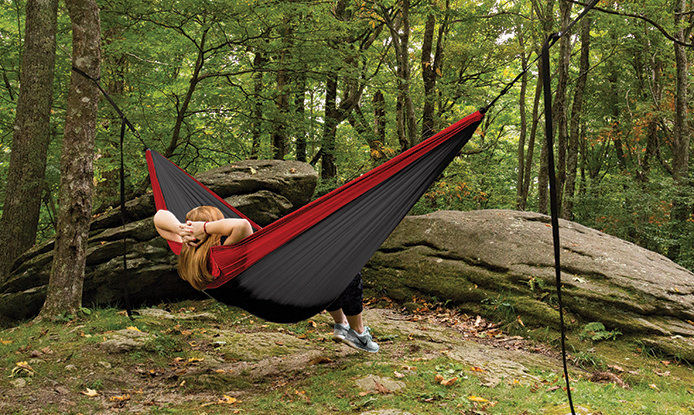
pixel 294 267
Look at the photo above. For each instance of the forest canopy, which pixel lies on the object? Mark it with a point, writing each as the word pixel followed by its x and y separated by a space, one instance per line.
pixel 347 84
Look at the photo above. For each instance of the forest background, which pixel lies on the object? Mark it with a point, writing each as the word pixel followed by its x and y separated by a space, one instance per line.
pixel 349 84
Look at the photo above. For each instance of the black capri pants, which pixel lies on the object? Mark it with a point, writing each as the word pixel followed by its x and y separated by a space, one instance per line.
pixel 350 301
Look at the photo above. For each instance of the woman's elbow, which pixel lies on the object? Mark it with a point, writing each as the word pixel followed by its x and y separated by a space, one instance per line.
pixel 244 228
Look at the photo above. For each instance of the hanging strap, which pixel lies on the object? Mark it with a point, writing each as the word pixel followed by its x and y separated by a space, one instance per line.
pixel 124 123
pixel 126 295
pixel 545 74
pixel 549 134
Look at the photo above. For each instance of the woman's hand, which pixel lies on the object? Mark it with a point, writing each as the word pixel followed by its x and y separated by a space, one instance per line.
pixel 197 229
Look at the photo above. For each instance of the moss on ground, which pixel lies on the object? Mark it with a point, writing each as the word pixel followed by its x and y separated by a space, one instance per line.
pixel 236 362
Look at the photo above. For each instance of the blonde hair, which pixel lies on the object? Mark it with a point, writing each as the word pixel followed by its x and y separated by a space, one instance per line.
pixel 193 261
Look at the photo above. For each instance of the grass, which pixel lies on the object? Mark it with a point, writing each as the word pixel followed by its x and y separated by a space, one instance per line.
pixel 178 370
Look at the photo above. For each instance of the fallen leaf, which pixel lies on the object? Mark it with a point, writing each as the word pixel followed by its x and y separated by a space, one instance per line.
pixel 195 359
pixel 398 374
pixel 90 392
pixel 438 378
pixel 5 341
pixel 477 369
pixel 380 388
pixel 119 398
pixel 227 399
pixel 133 328
pixel 474 398
pixel 653 386
pixel 320 359
pixel 449 382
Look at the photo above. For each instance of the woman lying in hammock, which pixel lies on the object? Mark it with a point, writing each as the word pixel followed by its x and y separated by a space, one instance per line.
pixel 206 227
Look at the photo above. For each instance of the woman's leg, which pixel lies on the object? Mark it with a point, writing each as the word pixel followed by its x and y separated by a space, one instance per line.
pixel 355 323
pixel 338 316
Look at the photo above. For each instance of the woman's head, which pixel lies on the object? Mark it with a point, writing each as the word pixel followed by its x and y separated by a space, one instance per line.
pixel 193 261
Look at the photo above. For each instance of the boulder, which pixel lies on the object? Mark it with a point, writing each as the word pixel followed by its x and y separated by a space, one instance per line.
pixel 125 340
pixel 263 190
pixel 500 263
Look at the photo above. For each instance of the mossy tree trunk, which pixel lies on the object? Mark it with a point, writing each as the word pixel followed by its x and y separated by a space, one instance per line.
pixel 76 163
pixel 31 134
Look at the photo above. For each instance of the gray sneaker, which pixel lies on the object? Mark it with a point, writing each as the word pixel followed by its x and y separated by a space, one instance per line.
pixel 362 341
pixel 339 332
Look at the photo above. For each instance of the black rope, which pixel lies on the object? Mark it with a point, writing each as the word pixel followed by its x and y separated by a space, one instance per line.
pixel 124 123
pixel 553 200
pixel 554 39
pixel 126 295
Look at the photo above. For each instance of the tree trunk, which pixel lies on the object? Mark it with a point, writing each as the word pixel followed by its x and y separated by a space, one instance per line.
pixel 181 111
pixel 560 103
pixel 258 62
pixel 572 150
pixel 379 104
pixel 279 138
pixel 31 136
pixel 64 293
pixel 681 207
pixel 300 119
pixel 523 125
pixel 531 141
pixel 428 77
pixel 328 168
pixel 616 132
pixel 400 35
pixel 279 135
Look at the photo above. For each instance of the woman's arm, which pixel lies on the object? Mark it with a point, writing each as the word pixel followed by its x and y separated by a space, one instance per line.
pixel 168 226
pixel 235 229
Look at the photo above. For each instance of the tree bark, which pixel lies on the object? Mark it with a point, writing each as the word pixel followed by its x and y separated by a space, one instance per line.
pixel 31 135
pixel 576 108
pixel 560 102
pixel 681 207
pixel 64 293
pixel 300 121
pixel 258 63
pixel 400 35
pixel 531 141
pixel 523 125
pixel 379 104
pixel 279 135
pixel 431 68
pixel 328 167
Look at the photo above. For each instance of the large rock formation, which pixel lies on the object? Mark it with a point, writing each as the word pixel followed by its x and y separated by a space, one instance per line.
pixel 261 189
pixel 501 262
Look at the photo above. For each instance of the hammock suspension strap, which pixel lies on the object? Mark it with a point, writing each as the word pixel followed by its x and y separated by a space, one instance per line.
pixel 124 123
